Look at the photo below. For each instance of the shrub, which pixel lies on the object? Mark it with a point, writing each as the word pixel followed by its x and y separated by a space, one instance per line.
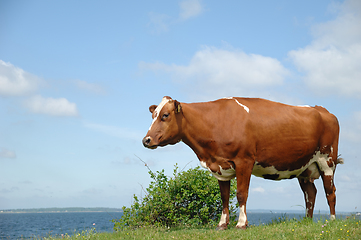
pixel 190 197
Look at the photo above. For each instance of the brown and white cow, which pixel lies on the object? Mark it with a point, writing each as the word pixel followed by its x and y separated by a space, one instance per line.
pixel 237 137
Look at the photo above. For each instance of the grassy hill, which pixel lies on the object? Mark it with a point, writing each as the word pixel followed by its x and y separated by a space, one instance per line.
pixel 349 228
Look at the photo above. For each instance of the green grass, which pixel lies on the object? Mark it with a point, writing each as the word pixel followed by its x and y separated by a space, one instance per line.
pixel 349 228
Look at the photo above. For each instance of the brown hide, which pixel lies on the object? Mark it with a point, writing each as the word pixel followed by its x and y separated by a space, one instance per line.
pixel 241 136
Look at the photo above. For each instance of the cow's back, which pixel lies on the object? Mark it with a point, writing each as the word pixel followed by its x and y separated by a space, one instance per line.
pixel 286 137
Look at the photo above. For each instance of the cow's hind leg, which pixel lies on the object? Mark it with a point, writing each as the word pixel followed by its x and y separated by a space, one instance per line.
pixel 327 164
pixel 330 191
pixel 309 191
pixel 224 187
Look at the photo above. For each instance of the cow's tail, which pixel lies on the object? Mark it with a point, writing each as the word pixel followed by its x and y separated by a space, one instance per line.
pixel 340 160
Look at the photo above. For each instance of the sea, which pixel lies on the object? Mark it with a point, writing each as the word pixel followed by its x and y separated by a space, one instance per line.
pixel 38 225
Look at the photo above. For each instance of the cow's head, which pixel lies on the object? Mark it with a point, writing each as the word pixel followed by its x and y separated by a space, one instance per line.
pixel 166 125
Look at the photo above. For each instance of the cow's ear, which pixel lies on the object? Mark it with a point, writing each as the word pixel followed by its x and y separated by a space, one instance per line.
pixel 177 106
pixel 152 108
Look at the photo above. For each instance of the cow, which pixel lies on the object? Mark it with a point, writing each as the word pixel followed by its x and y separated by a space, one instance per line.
pixel 238 137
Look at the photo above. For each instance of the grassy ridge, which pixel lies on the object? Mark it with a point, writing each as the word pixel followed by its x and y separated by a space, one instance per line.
pixel 349 228
pixel 60 210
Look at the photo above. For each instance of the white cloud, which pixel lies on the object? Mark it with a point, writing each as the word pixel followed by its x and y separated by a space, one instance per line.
pixel 15 81
pixel 158 23
pixel 224 72
pixel 189 9
pixel 331 63
pixel 91 87
pixel 6 153
pixel 258 189
pixel 51 106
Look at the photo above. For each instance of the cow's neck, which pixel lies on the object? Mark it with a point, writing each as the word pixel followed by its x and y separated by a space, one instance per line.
pixel 196 129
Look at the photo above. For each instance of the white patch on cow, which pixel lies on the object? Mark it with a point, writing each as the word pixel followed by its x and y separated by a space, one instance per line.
pixel 322 160
pixel 242 219
pixel 315 173
pixel 332 217
pixel 307 201
pixel 223 219
pixel 240 104
pixel 317 161
pixel 204 165
pixel 304 106
pixel 259 171
pixel 226 174
pixel 158 110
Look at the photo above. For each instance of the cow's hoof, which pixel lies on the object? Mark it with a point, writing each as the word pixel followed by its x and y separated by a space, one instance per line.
pixel 222 227
pixel 244 227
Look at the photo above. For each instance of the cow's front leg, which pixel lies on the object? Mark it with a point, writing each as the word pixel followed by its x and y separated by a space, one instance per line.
pixel 224 187
pixel 243 174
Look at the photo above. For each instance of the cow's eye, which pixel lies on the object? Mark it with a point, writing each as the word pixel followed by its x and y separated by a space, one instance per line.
pixel 165 116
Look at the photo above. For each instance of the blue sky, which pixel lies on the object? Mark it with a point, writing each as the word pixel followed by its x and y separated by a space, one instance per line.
pixel 77 78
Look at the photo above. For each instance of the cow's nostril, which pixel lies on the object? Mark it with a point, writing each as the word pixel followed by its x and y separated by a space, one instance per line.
pixel 146 141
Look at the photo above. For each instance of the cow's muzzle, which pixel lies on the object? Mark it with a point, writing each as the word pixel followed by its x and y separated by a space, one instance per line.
pixel 147 142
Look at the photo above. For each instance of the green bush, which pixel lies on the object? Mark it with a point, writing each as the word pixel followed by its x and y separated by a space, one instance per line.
pixel 190 197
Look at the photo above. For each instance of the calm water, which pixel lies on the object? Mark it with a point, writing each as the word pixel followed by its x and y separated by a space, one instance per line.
pixel 27 225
